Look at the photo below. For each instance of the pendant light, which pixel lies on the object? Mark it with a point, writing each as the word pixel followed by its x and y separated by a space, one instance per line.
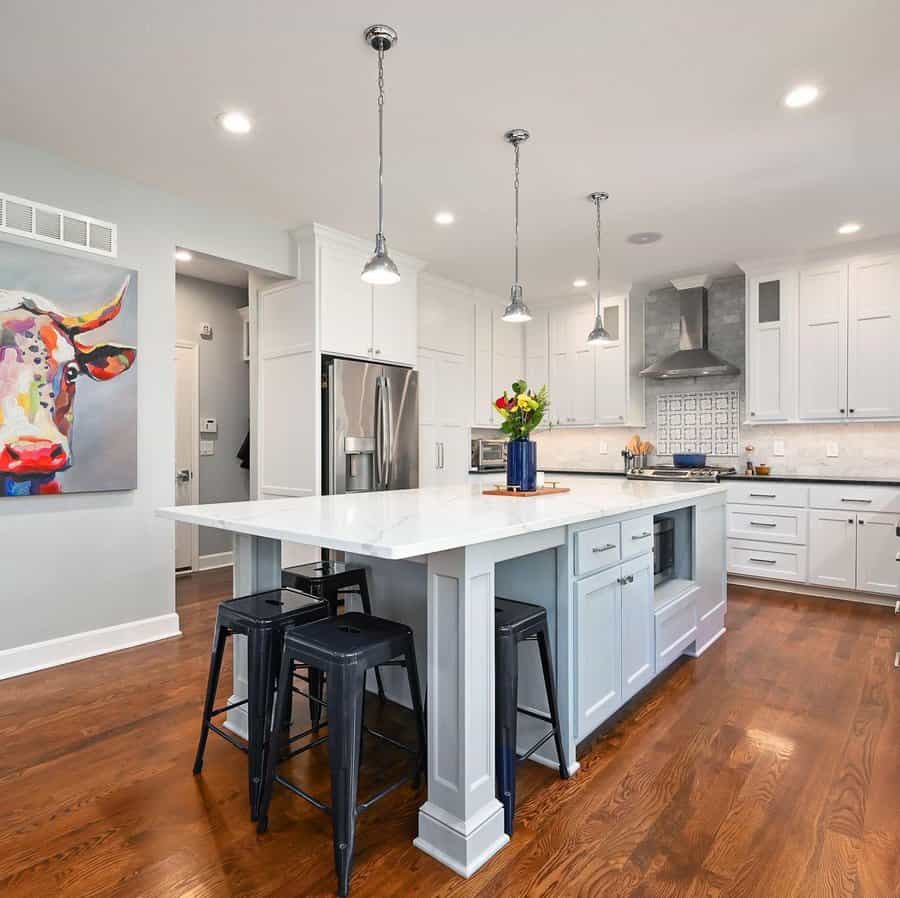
pixel 516 311
pixel 599 334
pixel 380 269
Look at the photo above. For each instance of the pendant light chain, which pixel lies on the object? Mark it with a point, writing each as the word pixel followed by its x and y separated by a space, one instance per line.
pixel 599 225
pixel 598 334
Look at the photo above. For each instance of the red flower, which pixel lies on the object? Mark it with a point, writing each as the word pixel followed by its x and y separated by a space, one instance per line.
pixel 502 402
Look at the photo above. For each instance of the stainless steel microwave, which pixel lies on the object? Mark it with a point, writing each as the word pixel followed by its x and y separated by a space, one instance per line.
pixel 488 455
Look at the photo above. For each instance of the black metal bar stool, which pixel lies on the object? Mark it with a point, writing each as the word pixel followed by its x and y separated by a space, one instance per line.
pixel 517 622
pixel 263 618
pixel 328 580
pixel 343 648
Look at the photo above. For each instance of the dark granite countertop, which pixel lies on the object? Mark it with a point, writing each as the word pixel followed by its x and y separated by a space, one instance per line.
pixel 858 480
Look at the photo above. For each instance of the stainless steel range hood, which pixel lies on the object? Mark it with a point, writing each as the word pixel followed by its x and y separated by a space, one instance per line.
pixel 693 358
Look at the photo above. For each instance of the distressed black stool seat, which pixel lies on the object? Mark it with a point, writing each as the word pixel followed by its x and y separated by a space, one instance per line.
pixel 344 648
pixel 263 618
pixel 517 622
pixel 329 580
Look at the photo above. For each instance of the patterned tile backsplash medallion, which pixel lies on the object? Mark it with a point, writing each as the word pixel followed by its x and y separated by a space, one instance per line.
pixel 706 422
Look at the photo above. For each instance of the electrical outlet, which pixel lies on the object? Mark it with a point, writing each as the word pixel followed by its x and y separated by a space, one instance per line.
pixel 603 447
pixel 778 447
pixel 831 450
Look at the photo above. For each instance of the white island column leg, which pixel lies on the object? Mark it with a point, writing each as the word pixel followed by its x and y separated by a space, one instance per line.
pixel 257 567
pixel 461 823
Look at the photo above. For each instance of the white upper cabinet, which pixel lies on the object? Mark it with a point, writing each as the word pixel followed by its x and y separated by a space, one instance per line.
pixel 509 353
pixel 446 315
pixel 771 310
pixel 822 336
pixel 345 301
pixel 483 414
pixel 612 365
pixel 356 319
pixel 873 364
pixel 537 348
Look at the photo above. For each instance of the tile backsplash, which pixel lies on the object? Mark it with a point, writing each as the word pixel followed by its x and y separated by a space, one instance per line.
pixel 862 448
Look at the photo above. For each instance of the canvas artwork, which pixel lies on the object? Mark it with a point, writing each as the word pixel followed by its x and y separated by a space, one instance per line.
pixel 68 384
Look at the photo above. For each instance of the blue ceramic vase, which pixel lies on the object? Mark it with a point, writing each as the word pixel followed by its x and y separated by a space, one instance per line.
pixel 521 464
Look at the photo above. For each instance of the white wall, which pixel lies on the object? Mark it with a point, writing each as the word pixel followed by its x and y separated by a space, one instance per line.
pixel 74 563
pixel 224 390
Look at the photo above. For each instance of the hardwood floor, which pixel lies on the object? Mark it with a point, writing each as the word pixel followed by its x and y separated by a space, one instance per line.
pixel 769 767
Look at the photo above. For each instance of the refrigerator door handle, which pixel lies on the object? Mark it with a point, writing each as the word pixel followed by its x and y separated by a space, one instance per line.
pixel 388 419
pixel 379 432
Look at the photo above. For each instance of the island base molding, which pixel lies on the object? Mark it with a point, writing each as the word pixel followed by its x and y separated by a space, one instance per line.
pixel 462 845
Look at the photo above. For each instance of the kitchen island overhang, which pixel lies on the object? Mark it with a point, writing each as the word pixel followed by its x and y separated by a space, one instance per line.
pixel 438 557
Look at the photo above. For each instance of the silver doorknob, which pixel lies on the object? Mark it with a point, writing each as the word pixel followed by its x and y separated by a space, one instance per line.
pixel 183 476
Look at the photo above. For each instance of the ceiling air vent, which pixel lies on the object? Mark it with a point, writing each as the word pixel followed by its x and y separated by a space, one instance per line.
pixel 25 218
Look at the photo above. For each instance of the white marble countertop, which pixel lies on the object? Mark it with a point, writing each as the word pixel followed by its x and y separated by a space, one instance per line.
pixel 407 523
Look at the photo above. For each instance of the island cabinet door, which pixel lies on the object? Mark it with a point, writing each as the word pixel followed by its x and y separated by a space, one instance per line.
pixel 598 668
pixel 637 625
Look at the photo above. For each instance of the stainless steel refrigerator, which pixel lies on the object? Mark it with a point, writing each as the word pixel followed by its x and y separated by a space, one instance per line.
pixel 370 427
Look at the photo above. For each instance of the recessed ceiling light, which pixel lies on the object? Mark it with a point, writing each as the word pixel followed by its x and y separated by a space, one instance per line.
pixel 800 96
pixel 579 282
pixel 641 238
pixel 182 255
pixel 851 227
pixel 444 218
pixel 235 122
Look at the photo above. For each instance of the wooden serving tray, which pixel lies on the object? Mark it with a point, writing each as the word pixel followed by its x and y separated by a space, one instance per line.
pixel 543 491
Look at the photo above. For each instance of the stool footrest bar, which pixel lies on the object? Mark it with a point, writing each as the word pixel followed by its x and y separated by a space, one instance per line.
pixel 237 704
pixel 365 805
pixel 303 748
pixel 537 715
pixel 534 747
pixel 228 737
pixel 394 742
pixel 304 795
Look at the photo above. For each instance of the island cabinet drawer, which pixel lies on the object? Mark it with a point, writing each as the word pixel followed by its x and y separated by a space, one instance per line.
pixel 855 498
pixel 597 548
pixel 758 493
pixel 676 628
pixel 769 560
pixel 637 536
pixel 771 524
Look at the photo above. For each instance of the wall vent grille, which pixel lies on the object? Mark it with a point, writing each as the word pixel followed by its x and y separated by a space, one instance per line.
pixel 25 218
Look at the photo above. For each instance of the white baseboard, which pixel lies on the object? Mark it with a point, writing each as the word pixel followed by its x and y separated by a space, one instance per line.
pixel 807 589
pixel 52 652
pixel 216 560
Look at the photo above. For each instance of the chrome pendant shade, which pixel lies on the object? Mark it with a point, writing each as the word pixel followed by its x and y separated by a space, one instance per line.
pixel 599 334
pixel 516 311
pixel 380 269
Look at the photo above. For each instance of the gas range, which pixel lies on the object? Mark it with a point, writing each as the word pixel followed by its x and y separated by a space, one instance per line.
pixel 705 474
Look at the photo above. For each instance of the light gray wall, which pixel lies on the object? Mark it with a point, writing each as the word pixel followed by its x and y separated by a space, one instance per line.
pixel 224 391
pixel 72 563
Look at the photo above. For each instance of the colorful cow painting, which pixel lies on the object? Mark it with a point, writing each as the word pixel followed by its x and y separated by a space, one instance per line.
pixel 43 356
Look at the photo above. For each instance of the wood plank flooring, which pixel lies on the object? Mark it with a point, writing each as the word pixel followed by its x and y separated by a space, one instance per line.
pixel 768 768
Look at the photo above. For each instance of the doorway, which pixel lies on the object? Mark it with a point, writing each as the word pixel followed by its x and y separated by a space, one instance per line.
pixel 187 450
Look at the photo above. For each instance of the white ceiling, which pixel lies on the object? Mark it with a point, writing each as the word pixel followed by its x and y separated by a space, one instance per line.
pixel 674 108
pixel 210 268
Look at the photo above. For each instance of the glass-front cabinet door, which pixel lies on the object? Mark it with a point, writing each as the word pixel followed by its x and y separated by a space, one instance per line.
pixel 771 311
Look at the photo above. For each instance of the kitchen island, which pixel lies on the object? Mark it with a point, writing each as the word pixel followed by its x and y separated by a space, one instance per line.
pixel 438 556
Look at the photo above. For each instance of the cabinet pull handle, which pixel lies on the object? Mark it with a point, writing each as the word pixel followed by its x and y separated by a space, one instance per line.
pixel 841 411
pixel 643 535
pixel 867 501
pixel 763 496
pixel 624 581
pixel 764 560
pixel 763 524
pixel 605 548
pixel 861 521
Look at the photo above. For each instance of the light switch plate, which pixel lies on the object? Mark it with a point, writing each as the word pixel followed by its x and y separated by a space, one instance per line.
pixel 831 450
pixel 778 447
pixel 208 425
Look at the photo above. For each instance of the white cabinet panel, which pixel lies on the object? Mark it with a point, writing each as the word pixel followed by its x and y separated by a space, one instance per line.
pixel 822 361
pixel 583 404
pixel 598 650
pixel 773 561
pixel 483 412
pixel 562 383
pixel 853 497
pixel 345 301
pixel 874 338
pixel 771 312
pixel 597 548
pixel 638 646
pixel 394 320
pixel 878 553
pixel 774 525
pixel 832 549
pixel 675 629
pixel 757 492
pixel 446 316
pixel 637 536
pixel 611 386
pixel 537 348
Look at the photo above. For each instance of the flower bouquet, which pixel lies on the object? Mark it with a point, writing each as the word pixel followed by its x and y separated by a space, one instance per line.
pixel 521 413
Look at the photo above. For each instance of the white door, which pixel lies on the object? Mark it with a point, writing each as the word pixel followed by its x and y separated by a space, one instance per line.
pixel 822 362
pixel 878 553
pixel 832 548
pixel 346 302
pixel 769 371
pixel 638 643
pixel 394 321
pixel 598 649
pixel 874 338
pixel 187 423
